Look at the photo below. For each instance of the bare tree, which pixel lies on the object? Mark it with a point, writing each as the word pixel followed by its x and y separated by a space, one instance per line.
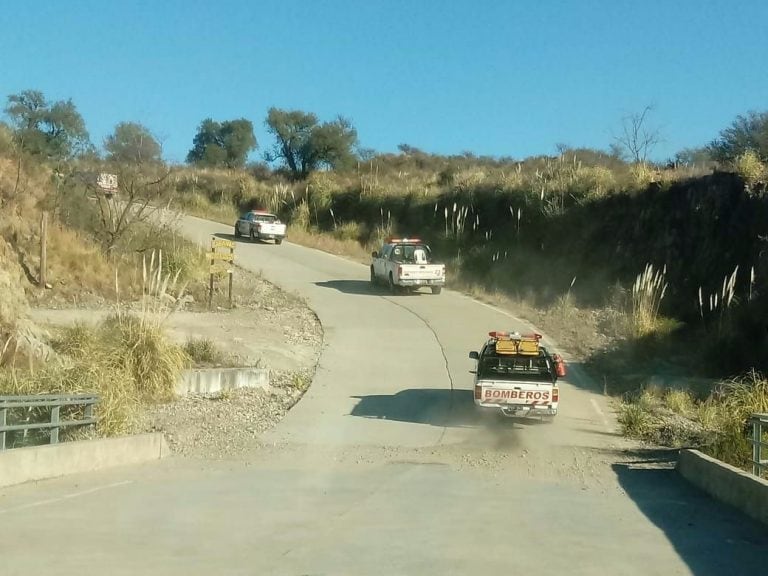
pixel 637 139
pixel 140 194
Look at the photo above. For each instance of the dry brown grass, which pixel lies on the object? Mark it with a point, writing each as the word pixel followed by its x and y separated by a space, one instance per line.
pixel 327 243
pixel 118 405
pixel 124 360
pixel 198 205
pixel 76 264
pixel 717 424
pixel 127 359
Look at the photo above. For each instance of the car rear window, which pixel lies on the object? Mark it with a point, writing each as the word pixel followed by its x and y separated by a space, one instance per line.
pixel 412 253
pixel 494 366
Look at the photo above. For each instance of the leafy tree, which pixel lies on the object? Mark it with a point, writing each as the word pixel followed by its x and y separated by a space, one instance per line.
pixel 748 132
pixel 53 130
pixel 304 144
pixel 331 145
pixel 6 138
pixel 365 154
pixel 222 144
pixel 692 156
pixel 409 150
pixel 292 130
pixel 132 143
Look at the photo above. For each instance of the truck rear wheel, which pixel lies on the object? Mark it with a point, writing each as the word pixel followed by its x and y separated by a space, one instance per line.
pixel 373 277
pixel 437 289
pixel 392 285
pixel 278 240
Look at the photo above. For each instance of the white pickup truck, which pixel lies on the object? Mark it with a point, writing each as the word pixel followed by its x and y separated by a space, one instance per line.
pixel 517 375
pixel 260 225
pixel 406 264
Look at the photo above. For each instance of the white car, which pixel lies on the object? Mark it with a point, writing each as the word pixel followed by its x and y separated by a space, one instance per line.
pixel 260 225
pixel 517 375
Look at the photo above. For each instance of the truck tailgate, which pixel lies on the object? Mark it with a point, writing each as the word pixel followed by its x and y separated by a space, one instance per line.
pixel 496 392
pixel 421 271
pixel 267 228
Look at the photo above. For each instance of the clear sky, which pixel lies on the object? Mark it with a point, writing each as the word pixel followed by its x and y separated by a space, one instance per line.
pixel 501 78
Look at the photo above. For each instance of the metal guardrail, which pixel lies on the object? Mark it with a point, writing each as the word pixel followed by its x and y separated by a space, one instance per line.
pixel 53 401
pixel 759 448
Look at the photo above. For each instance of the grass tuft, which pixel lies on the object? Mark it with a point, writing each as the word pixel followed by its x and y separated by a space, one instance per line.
pixel 679 401
pixel 718 424
pixel 647 293
pixel 203 351
pixel 635 420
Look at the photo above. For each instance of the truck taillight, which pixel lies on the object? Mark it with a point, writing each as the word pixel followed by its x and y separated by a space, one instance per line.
pixel 478 393
pixel 555 394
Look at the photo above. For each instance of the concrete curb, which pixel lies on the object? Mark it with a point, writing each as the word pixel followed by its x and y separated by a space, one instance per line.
pixel 726 483
pixel 21 465
pixel 211 380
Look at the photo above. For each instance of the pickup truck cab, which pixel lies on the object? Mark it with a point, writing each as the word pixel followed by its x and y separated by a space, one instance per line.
pixel 406 264
pixel 517 375
pixel 260 225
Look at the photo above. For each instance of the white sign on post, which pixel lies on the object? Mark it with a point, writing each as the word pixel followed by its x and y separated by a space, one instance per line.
pixel 107 181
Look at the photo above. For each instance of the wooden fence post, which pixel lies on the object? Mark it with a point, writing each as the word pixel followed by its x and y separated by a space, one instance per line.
pixel 43 250
pixel 210 281
pixel 231 264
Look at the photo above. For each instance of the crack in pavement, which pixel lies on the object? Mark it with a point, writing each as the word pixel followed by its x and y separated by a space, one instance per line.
pixel 442 351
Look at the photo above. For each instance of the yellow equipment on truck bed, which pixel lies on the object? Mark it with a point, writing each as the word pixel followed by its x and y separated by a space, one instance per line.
pixel 518 344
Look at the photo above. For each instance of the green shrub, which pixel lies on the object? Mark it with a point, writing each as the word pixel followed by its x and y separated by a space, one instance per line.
pixel 203 351
pixel 636 420
pixel 679 401
pixel 749 167
pixel 349 231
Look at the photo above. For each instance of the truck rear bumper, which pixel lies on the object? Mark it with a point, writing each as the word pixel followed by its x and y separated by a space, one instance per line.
pixel 521 409
pixel 421 282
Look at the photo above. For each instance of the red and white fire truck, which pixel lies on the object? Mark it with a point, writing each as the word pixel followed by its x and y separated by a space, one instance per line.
pixel 517 375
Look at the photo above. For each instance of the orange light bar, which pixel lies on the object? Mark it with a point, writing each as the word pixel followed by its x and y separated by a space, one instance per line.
pixel 402 240
pixel 504 335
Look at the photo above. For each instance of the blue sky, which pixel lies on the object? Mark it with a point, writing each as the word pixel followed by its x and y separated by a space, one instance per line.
pixel 498 78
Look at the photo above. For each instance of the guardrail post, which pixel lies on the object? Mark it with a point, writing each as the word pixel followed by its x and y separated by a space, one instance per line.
pixel 54 422
pixel 3 422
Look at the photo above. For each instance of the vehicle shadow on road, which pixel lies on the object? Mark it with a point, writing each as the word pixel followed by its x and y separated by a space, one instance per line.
pixel 349 286
pixel 434 406
pixel 244 239
pixel 712 538
pixel 438 407
pixel 364 287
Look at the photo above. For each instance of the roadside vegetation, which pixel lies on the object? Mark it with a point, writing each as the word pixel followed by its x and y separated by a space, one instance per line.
pixel 651 272
pixel 126 359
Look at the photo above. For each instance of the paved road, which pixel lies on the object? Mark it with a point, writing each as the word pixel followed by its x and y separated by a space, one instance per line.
pixel 384 468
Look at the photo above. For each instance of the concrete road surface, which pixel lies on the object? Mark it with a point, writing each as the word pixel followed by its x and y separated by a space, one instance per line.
pixel 384 467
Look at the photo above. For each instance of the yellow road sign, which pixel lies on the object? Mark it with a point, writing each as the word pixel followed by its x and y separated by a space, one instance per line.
pixel 226 256
pixel 220 268
pixel 221 243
